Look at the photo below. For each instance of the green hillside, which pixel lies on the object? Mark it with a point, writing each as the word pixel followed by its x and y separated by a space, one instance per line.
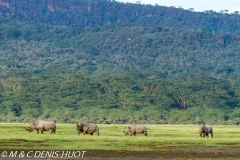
pixel 106 50
pixel 109 62
pixel 68 96
pixel 104 12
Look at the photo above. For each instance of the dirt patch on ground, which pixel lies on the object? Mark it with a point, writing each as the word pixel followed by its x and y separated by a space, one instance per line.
pixel 169 153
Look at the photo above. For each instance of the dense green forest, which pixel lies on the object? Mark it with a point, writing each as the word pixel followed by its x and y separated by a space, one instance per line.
pixel 106 50
pixel 108 62
pixel 120 98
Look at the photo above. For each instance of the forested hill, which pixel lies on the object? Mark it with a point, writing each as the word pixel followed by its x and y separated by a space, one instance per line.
pixel 109 62
pixel 105 12
pixel 103 37
pixel 105 50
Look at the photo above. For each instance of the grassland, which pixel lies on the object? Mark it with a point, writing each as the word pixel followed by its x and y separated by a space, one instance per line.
pixel 14 136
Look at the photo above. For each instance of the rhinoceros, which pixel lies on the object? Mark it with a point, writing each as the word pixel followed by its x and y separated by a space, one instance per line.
pixel 41 125
pixel 79 129
pixel 136 129
pixel 87 128
pixel 204 130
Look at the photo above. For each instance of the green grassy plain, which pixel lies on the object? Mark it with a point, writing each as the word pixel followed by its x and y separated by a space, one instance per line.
pixel 14 136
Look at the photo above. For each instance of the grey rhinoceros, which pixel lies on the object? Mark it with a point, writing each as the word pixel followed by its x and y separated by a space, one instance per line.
pixel 136 129
pixel 41 125
pixel 204 130
pixel 87 128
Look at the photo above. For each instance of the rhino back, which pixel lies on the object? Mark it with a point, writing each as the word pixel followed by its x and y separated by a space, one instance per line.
pixel 137 128
pixel 46 124
pixel 208 128
pixel 92 126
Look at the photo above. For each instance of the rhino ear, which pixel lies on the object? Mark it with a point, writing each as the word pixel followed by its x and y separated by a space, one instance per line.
pixel 129 127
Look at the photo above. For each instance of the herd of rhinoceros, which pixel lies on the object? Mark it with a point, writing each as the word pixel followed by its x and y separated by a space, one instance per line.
pixel 90 128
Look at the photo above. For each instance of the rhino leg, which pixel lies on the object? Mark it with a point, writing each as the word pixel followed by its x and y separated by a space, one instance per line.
pixel 134 133
pixel 97 131
pixel 53 130
pixel 206 134
pixel 42 131
pixel 211 134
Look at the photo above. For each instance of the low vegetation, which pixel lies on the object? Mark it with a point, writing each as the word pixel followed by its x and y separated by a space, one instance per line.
pixel 13 136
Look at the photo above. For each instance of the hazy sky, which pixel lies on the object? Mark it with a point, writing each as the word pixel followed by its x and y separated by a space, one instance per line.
pixel 198 5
